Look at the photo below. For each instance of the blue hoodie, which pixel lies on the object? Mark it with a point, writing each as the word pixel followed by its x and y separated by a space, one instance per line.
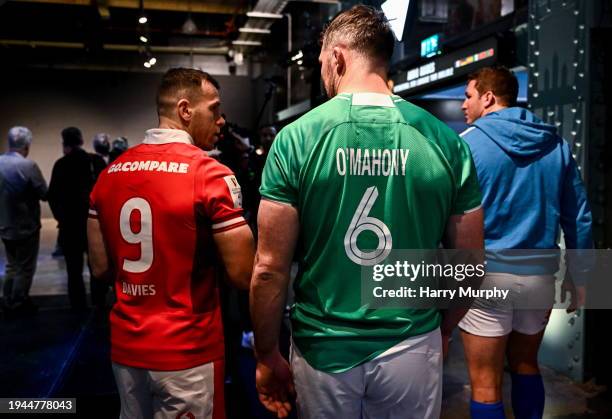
pixel 530 185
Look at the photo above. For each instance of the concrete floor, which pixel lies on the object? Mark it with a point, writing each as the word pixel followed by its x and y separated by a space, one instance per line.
pixel 56 353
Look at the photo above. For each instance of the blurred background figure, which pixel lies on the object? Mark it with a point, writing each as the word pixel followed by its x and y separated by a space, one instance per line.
pixel 71 182
pixel 22 186
pixel 119 145
pixel 267 134
pixel 99 159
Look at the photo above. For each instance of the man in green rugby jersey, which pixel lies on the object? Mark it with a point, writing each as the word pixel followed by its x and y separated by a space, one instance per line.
pixel 359 176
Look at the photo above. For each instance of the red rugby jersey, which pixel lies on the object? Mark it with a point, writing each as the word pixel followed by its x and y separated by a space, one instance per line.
pixel 159 205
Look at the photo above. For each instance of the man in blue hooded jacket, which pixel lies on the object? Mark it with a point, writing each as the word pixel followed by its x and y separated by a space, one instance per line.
pixel 531 186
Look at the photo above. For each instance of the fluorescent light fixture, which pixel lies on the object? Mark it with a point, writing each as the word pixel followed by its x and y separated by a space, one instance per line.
pixel 297 56
pixel 152 61
pixel 247 43
pixel 255 30
pixel 142 20
pixel 189 27
pixel 143 39
pixel 147 64
pixel 263 15
pixel 396 12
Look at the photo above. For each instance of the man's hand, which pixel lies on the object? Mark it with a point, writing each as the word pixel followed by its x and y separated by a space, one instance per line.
pixel 577 295
pixel 275 384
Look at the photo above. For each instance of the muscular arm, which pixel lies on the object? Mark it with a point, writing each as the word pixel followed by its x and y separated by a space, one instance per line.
pixel 237 249
pixel 98 258
pixel 464 231
pixel 278 232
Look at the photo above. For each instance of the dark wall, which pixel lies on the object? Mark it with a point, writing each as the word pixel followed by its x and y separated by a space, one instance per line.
pixel 449 111
pixel 121 104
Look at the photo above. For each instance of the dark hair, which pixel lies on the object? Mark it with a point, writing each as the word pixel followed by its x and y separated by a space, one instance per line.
pixel 178 83
pixel 72 137
pixel 364 29
pixel 498 80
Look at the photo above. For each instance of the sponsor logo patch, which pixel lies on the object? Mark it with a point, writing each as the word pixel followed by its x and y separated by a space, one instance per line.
pixel 234 189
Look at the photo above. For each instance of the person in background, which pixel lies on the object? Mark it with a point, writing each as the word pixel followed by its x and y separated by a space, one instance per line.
pixel 118 147
pixel 22 187
pixel 99 159
pixel 72 180
pixel 531 188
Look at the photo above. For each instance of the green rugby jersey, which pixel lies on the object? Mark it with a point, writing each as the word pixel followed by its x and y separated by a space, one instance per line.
pixel 368 173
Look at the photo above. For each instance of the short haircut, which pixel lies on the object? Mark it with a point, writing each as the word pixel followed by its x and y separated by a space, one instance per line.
pixel 499 80
pixel 101 143
pixel 181 83
pixel 120 143
pixel 363 29
pixel 19 138
pixel 72 137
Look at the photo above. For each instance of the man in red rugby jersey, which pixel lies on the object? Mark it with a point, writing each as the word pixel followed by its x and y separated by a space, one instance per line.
pixel 163 217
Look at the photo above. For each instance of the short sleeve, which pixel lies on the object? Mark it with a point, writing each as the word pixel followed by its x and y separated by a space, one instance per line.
pixel 280 176
pixel 93 210
pixel 468 197
pixel 220 196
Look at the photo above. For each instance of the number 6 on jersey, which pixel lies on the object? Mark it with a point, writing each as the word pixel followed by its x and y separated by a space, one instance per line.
pixel 144 237
pixel 362 222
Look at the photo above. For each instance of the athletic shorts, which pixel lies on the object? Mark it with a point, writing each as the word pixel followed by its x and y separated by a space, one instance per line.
pixel 526 310
pixel 403 382
pixel 193 393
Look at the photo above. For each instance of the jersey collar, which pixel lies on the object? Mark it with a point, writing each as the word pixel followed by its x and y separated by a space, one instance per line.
pixel 368 99
pixel 165 136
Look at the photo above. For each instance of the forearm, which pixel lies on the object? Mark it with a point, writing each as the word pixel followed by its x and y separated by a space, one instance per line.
pixel 268 297
pixel 237 250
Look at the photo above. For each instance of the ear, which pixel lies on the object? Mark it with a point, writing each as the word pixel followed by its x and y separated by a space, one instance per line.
pixel 340 60
pixel 185 112
pixel 488 99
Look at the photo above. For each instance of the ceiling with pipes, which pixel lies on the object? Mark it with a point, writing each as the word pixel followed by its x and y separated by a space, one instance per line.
pixel 102 34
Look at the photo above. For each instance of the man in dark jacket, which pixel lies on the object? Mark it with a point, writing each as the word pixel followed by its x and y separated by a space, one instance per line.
pixel 71 182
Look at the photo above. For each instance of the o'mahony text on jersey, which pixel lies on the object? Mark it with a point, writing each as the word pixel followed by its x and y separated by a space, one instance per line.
pixel 371 162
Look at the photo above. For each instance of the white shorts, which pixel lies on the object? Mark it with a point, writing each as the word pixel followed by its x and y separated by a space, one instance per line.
pixel 526 310
pixel 403 382
pixel 192 393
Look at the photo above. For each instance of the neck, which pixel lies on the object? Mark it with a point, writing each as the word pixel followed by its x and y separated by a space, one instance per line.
pixel 167 123
pixel 493 108
pixel 18 150
pixel 356 80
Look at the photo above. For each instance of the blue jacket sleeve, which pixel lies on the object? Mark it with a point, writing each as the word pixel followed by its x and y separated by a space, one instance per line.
pixel 576 222
pixel 576 219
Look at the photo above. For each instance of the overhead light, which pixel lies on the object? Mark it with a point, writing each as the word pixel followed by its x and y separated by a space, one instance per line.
pixel 247 43
pixel 239 58
pixel 262 15
pixel 143 39
pixel 297 56
pixel 147 64
pixel 142 19
pixel 300 62
pixel 153 60
pixel 255 30
pixel 189 27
